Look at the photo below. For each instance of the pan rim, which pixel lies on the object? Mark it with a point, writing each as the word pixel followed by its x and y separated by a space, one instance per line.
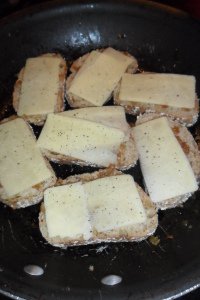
pixel 50 5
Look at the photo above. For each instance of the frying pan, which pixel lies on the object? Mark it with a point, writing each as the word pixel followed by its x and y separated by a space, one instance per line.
pixel 163 40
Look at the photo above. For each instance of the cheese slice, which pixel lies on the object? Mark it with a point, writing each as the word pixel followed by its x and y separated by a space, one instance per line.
pixel 81 139
pixel 163 89
pixel 21 163
pixel 112 116
pixel 114 202
pixel 90 60
pixel 97 78
pixel 66 212
pixel 40 86
pixel 166 169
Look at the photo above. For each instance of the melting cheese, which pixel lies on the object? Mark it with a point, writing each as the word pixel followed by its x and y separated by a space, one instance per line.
pixel 99 75
pixel 166 169
pixel 40 86
pixel 114 202
pixel 21 163
pixel 112 116
pixel 163 89
pixel 81 139
pixel 66 212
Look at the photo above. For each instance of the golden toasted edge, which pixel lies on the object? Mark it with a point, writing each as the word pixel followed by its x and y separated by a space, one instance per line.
pixel 133 233
pixel 30 196
pixel 40 119
pixel 184 116
pixel 127 156
pixel 78 102
pixel 190 148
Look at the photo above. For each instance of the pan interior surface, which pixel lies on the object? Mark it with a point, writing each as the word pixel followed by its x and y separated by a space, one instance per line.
pixel 162 40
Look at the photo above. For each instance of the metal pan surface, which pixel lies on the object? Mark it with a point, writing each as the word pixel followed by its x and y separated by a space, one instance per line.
pixel 163 40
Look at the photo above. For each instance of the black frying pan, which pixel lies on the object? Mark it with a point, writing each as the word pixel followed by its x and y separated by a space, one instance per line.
pixel 163 40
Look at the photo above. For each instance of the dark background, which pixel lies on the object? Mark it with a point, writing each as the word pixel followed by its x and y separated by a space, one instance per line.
pixel 191 6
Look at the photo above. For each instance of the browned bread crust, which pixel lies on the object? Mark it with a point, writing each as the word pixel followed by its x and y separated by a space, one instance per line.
pixel 30 196
pixel 40 119
pixel 77 102
pixel 126 234
pixel 190 149
pixel 127 156
pixel 185 116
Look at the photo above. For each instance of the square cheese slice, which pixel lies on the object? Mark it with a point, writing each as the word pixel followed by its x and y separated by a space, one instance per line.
pixel 40 85
pixel 112 116
pixel 99 75
pixel 114 202
pixel 21 162
pixel 81 139
pixel 66 212
pixel 163 89
pixel 165 167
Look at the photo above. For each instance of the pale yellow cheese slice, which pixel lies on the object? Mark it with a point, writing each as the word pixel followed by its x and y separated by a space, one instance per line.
pixel 165 167
pixel 114 202
pixel 96 81
pixel 112 116
pixel 90 60
pixel 81 139
pixel 164 89
pixel 66 212
pixel 40 86
pixel 21 162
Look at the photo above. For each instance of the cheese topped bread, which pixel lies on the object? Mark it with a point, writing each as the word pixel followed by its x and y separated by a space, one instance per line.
pixel 24 173
pixel 39 89
pixel 90 210
pixel 167 172
pixel 74 140
pixel 169 94
pixel 94 81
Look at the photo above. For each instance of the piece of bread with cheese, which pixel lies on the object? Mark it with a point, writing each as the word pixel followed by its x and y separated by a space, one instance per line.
pixel 24 173
pixel 40 87
pixel 100 137
pixel 104 206
pixel 172 95
pixel 95 75
pixel 169 159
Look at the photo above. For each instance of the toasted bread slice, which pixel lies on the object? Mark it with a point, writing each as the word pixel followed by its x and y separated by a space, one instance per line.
pixel 133 219
pixel 24 173
pixel 95 76
pixel 192 155
pixel 40 88
pixel 166 94
pixel 88 143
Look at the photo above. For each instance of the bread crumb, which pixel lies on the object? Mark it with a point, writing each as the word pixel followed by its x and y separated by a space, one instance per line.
pixel 91 268
pixel 154 240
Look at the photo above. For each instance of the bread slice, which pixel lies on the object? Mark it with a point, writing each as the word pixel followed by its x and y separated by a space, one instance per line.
pixel 28 94
pixel 88 143
pixel 166 94
pixel 190 149
pixel 130 232
pixel 24 173
pixel 95 75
